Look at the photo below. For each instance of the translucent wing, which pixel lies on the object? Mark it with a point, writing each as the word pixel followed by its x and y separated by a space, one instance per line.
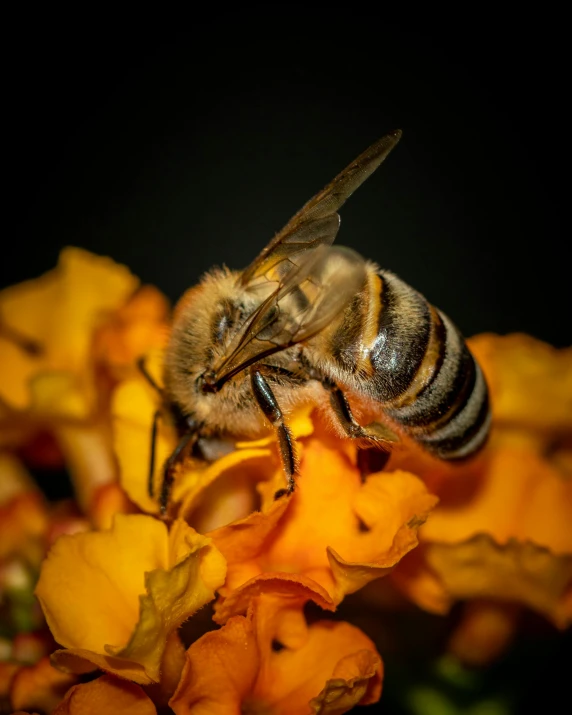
pixel 317 222
pixel 314 282
pixel 307 300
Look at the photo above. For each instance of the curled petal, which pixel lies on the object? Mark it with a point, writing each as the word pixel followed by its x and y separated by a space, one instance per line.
pixel 271 661
pixel 106 695
pixel 501 531
pixel 364 531
pixel 513 494
pixel 356 680
pixel 516 572
pixel 392 506
pixel 290 588
pixel 224 491
pixel 231 487
pixel 417 582
pixel 39 687
pixel 113 598
pixel 502 528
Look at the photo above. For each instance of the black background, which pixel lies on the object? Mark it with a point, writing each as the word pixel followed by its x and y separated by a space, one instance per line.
pixel 173 151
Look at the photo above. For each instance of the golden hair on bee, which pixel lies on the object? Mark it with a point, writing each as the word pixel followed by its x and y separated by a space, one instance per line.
pixel 308 322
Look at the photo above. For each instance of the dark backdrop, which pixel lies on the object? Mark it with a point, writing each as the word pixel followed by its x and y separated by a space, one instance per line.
pixel 173 152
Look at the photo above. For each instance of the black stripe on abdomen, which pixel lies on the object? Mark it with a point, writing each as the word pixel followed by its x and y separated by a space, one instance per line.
pixel 402 339
pixel 449 386
pixel 449 416
pixel 466 430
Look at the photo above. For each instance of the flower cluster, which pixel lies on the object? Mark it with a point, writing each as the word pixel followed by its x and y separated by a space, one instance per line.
pixel 229 604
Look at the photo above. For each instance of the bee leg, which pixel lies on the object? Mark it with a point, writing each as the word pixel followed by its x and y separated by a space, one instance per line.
pixel 374 432
pixel 267 403
pixel 176 456
pixel 147 375
pixel 150 487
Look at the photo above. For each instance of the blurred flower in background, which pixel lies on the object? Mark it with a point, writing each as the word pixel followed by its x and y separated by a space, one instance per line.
pixel 419 577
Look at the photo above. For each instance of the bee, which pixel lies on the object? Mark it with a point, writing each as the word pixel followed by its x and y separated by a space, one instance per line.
pixel 308 322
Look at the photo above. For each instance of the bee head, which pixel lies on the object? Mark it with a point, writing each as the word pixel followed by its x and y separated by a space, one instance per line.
pixel 204 323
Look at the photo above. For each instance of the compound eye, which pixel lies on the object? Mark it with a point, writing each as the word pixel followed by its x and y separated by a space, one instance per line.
pixel 224 320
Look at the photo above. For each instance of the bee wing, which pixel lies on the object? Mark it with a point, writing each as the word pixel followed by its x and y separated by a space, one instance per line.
pixel 309 297
pixel 317 222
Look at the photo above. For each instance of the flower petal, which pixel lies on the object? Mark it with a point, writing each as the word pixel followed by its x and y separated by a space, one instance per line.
pixel 23 524
pixel 484 632
pixel 530 381
pixel 362 534
pixel 518 571
pixel 138 326
pixel 291 588
pixel 106 695
pixel 59 311
pixel 134 405
pixel 502 527
pixel 514 494
pixel 89 458
pixel 271 661
pixel 114 597
pixel 39 687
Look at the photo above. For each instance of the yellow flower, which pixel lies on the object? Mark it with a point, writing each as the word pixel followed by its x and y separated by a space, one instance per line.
pixel 135 328
pixel 332 536
pixel 502 531
pixel 271 661
pixel 115 598
pixel 65 338
pixel 112 598
pixel 39 687
pixel 106 695
pixel 58 313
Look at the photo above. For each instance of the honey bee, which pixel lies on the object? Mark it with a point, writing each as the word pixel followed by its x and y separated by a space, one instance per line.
pixel 307 322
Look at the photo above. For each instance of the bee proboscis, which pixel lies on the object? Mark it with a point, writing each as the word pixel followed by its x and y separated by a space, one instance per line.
pixel 310 322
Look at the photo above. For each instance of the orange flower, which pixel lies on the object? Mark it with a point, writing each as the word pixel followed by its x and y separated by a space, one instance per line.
pixel 23 512
pixel 134 405
pixel 332 536
pixel 271 661
pixel 64 338
pixel 112 598
pixel 39 687
pixel 58 313
pixel 530 383
pixel 502 527
pixel 483 632
pixel 106 695
pixel 134 329
pixel 364 531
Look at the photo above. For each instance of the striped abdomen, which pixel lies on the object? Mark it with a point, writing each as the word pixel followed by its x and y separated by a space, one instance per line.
pixel 416 363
